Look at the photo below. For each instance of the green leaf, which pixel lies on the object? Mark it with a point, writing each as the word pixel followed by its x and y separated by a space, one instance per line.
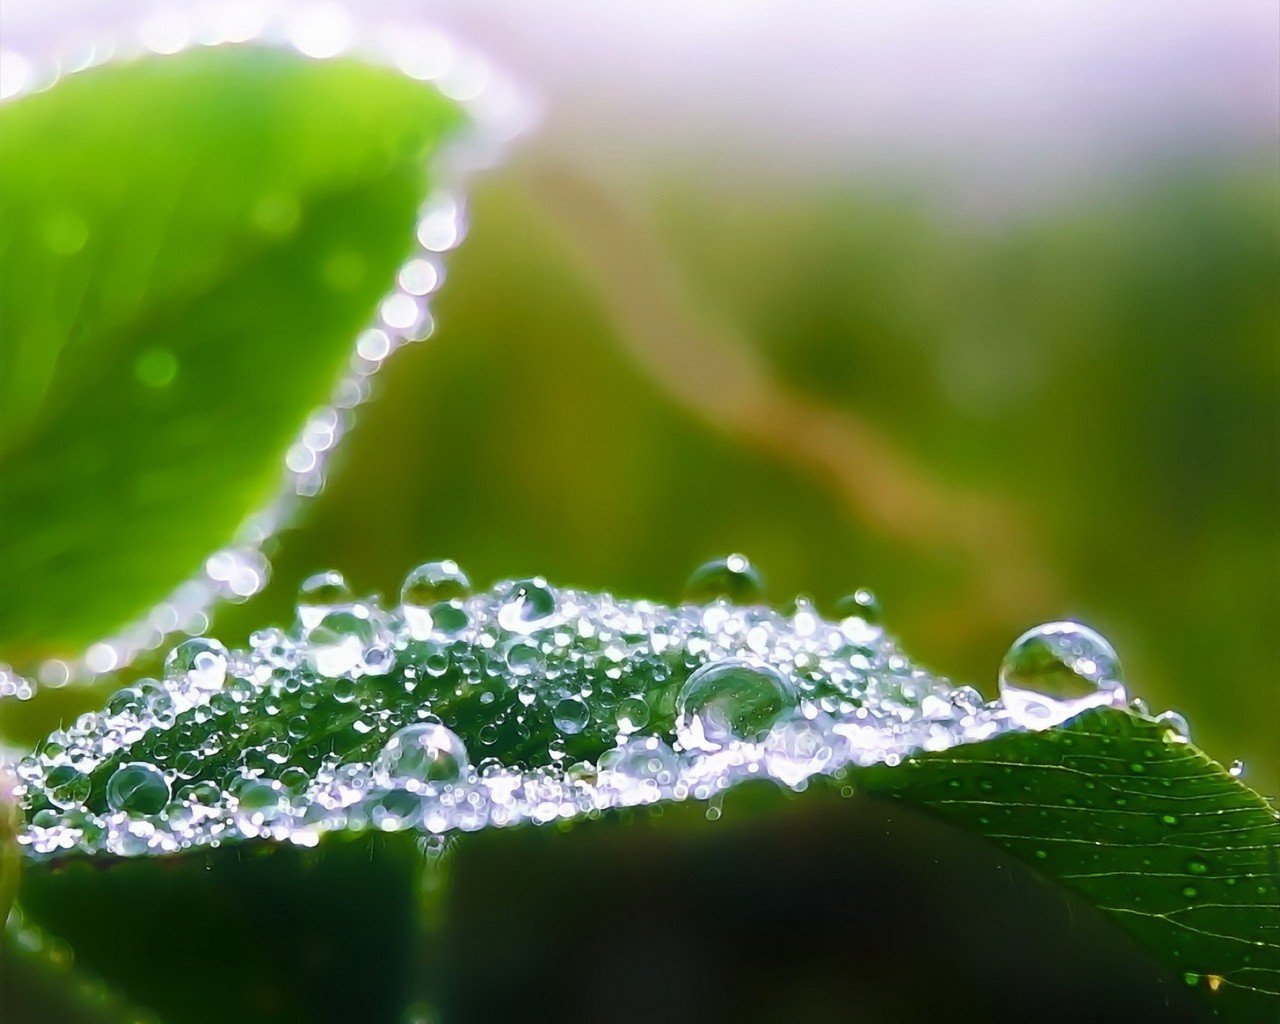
pixel 1151 831
pixel 188 246
pixel 567 703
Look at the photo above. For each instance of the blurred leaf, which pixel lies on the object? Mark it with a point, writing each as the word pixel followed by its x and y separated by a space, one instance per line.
pixel 188 246
pixel 1117 808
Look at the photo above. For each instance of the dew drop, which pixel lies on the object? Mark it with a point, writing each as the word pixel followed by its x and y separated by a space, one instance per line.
pixel 731 699
pixel 201 661
pixel 797 748
pixel 732 578
pixel 529 605
pixel 67 787
pixel 861 604
pixel 633 715
pixel 137 788
pixel 1176 726
pixel 426 752
pixel 1055 671
pixel 431 584
pixel 1236 769
pixel 338 642
pixel 571 715
pixel 642 765
pixel 318 594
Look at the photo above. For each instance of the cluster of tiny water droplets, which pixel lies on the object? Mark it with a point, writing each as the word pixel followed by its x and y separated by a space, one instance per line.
pixel 497 112
pixel 457 711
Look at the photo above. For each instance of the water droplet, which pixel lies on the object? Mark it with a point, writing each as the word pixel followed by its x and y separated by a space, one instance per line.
pixel 137 788
pixel 632 714
pixel 262 799
pixel 338 642
pixel 732 578
pixel 201 661
pixel 431 584
pixel 861 604
pixel 571 715
pixel 318 594
pixel 797 748
pixel 1236 769
pixel 426 752
pixel 1197 867
pixel 523 657
pixel 641 766
pixel 67 787
pixel 1056 671
pixel 1177 729
pixel 731 699
pixel 529 605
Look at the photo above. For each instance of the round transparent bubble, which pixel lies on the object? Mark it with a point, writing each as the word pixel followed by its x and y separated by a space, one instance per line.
pixel 137 788
pixel 318 594
pixel 1055 671
pixel 429 585
pixel 861 604
pixel 260 799
pixel 425 752
pixel 571 715
pixel 731 700
pixel 732 578
pixel 201 661
pixel 67 787
pixel 639 764
pixel 797 748
pixel 337 644
pixel 632 714
pixel 1177 726
pixel 529 605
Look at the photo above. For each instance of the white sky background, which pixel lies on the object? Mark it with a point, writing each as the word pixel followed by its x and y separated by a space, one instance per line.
pixel 1003 95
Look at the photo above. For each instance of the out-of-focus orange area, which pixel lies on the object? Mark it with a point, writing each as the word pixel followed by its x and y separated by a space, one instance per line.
pixel 991 421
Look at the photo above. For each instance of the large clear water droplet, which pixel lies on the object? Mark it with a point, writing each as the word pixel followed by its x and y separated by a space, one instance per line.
pixel 1178 730
pixel 1056 671
pixel 571 715
pixel 201 661
pixel 425 752
pixel 320 593
pixel 137 788
pixel 732 578
pixel 429 585
pixel 529 605
pixel 338 642
pixel 797 748
pixel 67 787
pixel 640 767
pixel 728 700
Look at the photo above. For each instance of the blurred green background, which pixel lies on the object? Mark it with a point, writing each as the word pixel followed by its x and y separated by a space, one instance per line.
pixel 991 424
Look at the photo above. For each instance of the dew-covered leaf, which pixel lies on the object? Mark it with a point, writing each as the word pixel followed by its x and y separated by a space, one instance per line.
pixel 525 704
pixel 188 246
